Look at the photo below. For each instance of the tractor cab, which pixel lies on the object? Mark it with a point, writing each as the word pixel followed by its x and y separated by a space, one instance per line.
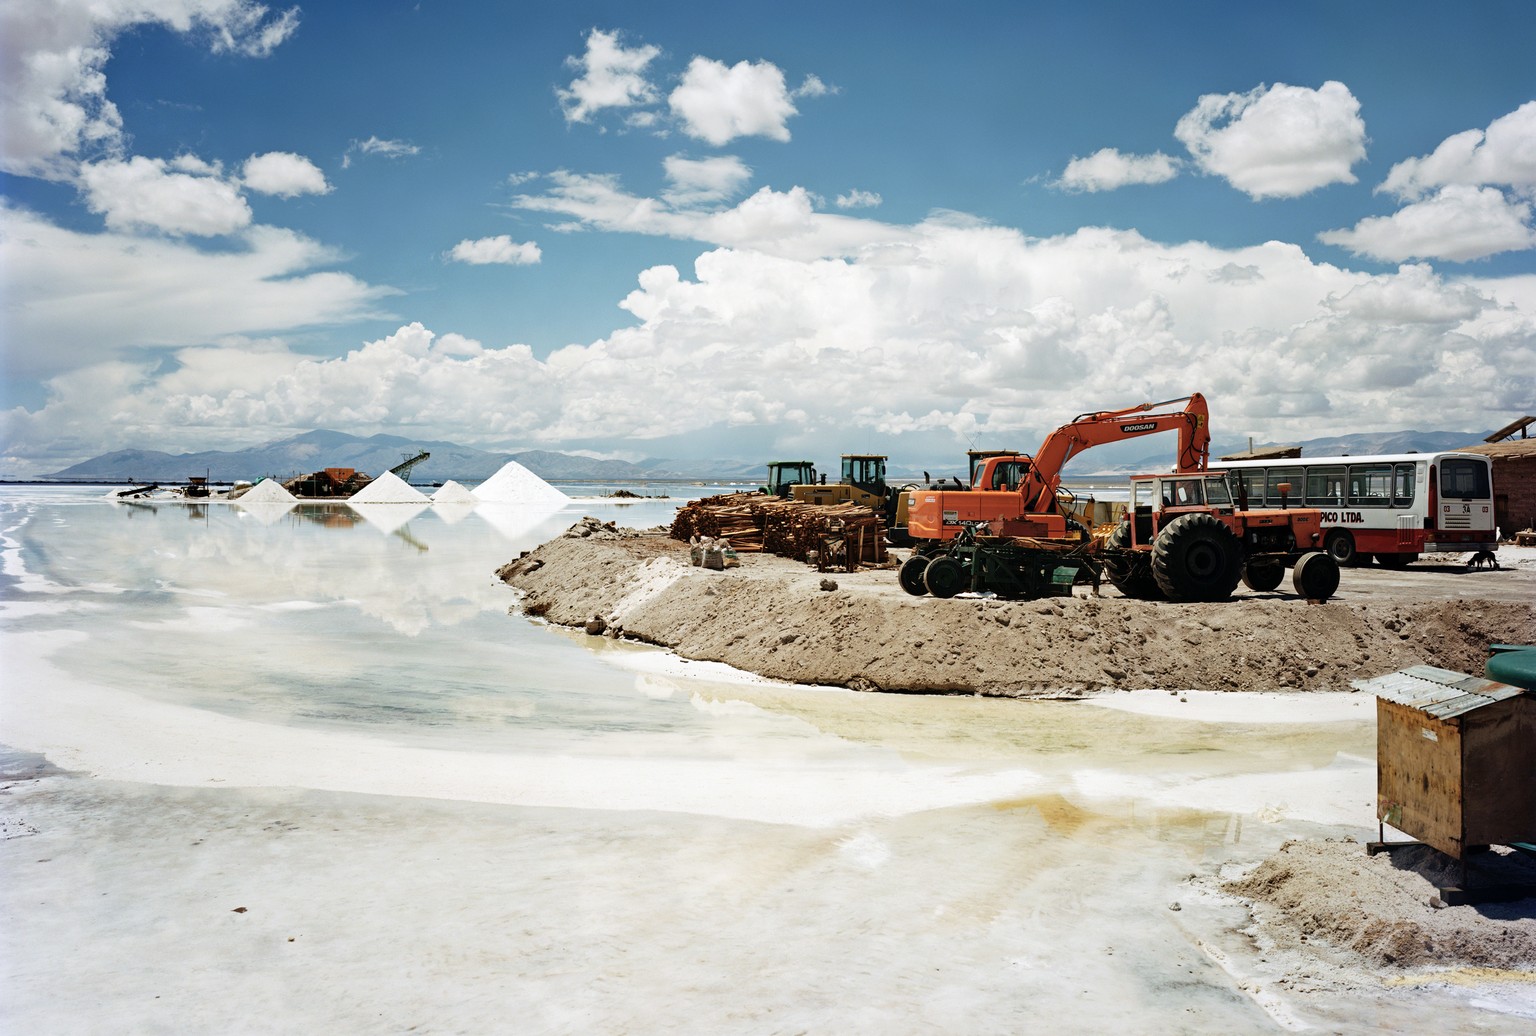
pixel 1158 499
pixel 785 473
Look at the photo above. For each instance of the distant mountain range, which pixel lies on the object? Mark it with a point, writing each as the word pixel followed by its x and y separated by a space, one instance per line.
pixel 375 455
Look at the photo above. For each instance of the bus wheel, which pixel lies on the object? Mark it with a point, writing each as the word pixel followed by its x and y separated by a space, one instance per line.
pixel 911 575
pixel 1341 545
pixel 1315 576
pixel 1396 560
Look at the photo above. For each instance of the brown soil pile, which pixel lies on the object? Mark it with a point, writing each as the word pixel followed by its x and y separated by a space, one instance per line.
pixel 786 621
pixel 1381 906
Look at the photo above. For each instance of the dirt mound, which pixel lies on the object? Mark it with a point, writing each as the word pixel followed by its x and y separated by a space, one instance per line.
pixel 1381 906
pixel 772 616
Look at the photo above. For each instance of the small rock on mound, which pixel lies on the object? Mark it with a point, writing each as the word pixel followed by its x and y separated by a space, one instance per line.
pixel 388 488
pixel 515 484
pixel 451 492
pixel 267 491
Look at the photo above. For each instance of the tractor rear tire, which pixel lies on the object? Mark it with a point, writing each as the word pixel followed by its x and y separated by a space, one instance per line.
pixel 1131 575
pixel 945 577
pixel 911 575
pixel 1316 575
pixel 1196 558
pixel 1263 578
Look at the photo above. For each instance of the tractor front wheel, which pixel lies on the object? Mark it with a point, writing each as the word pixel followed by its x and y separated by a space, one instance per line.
pixel 945 577
pixel 1262 578
pixel 1196 558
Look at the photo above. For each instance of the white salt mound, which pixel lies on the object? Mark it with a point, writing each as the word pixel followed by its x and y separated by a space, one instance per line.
pixel 388 488
pixel 451 492
pixel 267 491
pixel 515 484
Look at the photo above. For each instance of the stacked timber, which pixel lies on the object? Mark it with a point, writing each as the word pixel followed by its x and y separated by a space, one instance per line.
pixel 757 523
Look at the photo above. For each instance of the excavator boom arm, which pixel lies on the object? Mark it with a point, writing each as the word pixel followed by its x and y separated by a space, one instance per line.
pixel 1192 422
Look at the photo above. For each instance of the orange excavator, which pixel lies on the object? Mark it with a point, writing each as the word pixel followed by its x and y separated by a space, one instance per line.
pixel 1017 494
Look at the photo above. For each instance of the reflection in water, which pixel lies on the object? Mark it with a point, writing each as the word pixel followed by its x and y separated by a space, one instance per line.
pixel 389 517
pixel 331 516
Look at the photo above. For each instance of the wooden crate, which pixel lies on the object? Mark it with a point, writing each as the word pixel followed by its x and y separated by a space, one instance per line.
pixel 1455 759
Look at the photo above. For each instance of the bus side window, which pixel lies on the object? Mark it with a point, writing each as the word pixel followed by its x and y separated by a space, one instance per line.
pixel 1402 489
pixel 1370 485
pixel 1253 485
pixel 1325 486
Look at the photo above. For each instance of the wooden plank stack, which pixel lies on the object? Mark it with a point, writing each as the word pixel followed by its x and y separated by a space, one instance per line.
pixel 756 523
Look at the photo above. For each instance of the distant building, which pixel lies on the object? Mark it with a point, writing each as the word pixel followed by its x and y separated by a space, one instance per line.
pixel 1266 453
pixel 1514 475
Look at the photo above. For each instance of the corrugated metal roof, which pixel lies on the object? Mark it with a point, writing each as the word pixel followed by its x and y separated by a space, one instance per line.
pixel 1441 693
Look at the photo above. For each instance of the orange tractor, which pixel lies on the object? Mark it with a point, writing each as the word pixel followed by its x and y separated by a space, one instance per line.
pixel 1185 538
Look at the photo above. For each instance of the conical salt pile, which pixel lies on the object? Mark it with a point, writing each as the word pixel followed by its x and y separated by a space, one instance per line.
pixel 267 491
pixel 515 484
pixel 451 492
pixel 388 488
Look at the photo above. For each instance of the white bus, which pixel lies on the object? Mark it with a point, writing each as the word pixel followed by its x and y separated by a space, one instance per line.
pixel 1392 507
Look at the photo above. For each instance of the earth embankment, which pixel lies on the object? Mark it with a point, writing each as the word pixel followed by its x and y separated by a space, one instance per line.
pixel 786 621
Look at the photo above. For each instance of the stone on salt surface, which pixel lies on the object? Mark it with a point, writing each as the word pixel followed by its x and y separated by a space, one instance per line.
pixel 388 488
pixel 451 492
pixel 515 484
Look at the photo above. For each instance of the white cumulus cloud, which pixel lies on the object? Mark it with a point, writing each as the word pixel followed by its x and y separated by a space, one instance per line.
pixel 500 249
pixel 283 174
pixel 54 106
pixel 1458 223
pixel 718 103
pixel 183 197
pixel 612 76
pixel 1108 169
pixel 1504 155
pixel 79 297
pixel 704 181
pixel 857 199
pixel 921 338
pixel 1279 141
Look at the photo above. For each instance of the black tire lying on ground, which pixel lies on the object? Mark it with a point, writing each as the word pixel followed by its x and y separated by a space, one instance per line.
pixel 1316 575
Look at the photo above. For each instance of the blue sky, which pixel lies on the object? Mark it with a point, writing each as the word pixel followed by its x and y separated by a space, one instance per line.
pixel 680 230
